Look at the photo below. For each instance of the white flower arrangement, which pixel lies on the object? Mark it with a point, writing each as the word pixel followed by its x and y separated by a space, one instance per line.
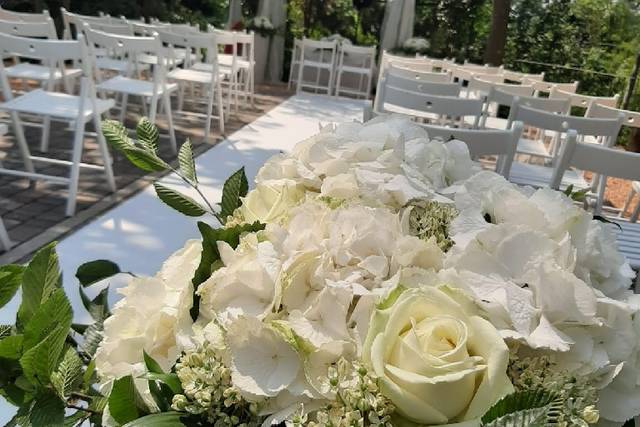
pixel 415 45
pixel 338 38
pixel 375 277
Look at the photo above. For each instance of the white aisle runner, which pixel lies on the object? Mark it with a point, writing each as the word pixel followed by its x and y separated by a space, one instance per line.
pixel 142 232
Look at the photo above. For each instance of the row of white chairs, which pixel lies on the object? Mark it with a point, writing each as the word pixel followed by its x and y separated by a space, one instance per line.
pixel 347 69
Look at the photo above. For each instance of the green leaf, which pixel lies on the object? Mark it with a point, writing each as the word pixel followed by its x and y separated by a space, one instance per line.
pixel 95 271
pixel 163 419
pixel 116 135
pixel 528 408
pixel 39 280
pixel 55 311
pixel 89 374
pixel 47 410
pixel 91 338
pixel 75 419
pixel 125 404
pixel 144 159
pixel 11 347
pixel 5 330
pixel 68 376
pixel 183 204
pixel 151 364
pixel 170 380
pixel 210 258
pixel 235 187
pixel 10 280
pixel 39 361
pixel 147 134
pixel 98 307
pixel 187 165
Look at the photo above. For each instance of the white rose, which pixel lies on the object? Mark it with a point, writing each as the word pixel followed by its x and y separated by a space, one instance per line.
pixel 437 360
pixel 271 202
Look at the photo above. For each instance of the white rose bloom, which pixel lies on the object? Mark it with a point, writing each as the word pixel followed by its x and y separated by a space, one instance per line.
pixel 246 285
pixel 153 316
pixel 271 201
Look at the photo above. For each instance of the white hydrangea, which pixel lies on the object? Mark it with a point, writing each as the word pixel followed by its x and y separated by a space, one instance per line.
pixel 416 44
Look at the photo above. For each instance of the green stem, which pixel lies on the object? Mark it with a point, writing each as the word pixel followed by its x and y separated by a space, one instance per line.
pixel 212 211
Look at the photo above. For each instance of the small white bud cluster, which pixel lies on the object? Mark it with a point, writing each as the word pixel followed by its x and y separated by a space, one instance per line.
pixel 208 391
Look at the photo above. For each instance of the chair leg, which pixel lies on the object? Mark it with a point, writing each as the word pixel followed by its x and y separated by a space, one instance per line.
pixel 123 111
pixel 172 133
pixel 220 108
pixel 104 151
pixel 207 125
pixel 5 242
pixel 627 203
pixel 46 127
pixel 22 142
pixel 76 158
pixel 252 87
pixel 338 82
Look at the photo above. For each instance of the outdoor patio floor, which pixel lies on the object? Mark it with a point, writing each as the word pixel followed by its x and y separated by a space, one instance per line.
pixel 36 216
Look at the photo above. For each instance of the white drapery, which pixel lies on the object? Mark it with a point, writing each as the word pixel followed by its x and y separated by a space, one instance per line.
pixel 276 11
pixel 397 25
pixel 235 13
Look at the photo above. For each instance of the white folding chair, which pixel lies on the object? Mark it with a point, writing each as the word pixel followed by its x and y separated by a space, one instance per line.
pixel 9 15
pixel 75 110
pixel 73 22
pixel 295 62
pixel 246 65
pixel 498 94
pixel 441 109
pixel 584 101
pixel 319 56
pixel 482 69
pixel 356 61
pixel 423 76
pixel 420 64
pixel 604 161
pixel 542 87
pixel 208 79
pixel 534 146
pixel 484 142
pixel 516 76
pixel 5 242
pixel 540 176
pixel 148 91
pixel 392 78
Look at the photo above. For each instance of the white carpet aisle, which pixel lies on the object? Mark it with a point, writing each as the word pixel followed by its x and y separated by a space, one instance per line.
pixel 142 232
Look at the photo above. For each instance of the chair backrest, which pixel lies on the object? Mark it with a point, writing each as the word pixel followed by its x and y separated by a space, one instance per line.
pixel 585 101
pixel 364 56
pixel 192 41
pixel 548 87
pixel 483 69
pixel 484 142
pixel 556 106
pixel 9 15
pixel 313 46
pixel 247 43
pixel 183 28
pixel 422 66
pixel 123 29
pixel 432 104
pixel 422 76
pixel 49 52
pixel 607 128
pixel 484 87
pixel 43 29
pixel 74 21
pixel 631 118
pixel 419 86
pixel 493 78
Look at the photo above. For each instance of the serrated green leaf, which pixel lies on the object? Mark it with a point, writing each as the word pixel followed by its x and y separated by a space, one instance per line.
pixel 5 330
pixel 145 160
pixel 171 380
pixel 47 411
pixel 235 187
pixel 10 281
pixel 147 134
pixel 116 135
pixel 210 258
pixel 75 419
pixel 39 361
pixel 183 204
pixel 187 165
pixel 68 376
pixel 163 419
pixel 89 374
pixel 55 311
pixel 503 412
pixel 95 271
pixel 125 404
pixel 11 347
pixel 98 307
pixel 39 280
pixel 91 338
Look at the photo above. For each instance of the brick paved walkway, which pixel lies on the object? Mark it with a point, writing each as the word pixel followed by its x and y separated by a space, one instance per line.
pixel 35 216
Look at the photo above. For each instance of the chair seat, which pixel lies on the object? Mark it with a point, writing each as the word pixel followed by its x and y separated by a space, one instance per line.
pixel 38 72
pixel 132 86
pixel 117 65
pixel 148 59
pixel 532 147
pixel 227 60
pixel 354 69
pixel 629 241
pixel 223 71
pixel 54 104
pixel 540 176
pixel 190 75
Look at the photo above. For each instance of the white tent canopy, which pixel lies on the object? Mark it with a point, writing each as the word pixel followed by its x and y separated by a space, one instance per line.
pixel 235 13
pixel 276 11
pixel 398 23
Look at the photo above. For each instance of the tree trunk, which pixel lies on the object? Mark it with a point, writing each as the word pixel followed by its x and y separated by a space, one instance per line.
pixel 631 85
pixel 494 53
